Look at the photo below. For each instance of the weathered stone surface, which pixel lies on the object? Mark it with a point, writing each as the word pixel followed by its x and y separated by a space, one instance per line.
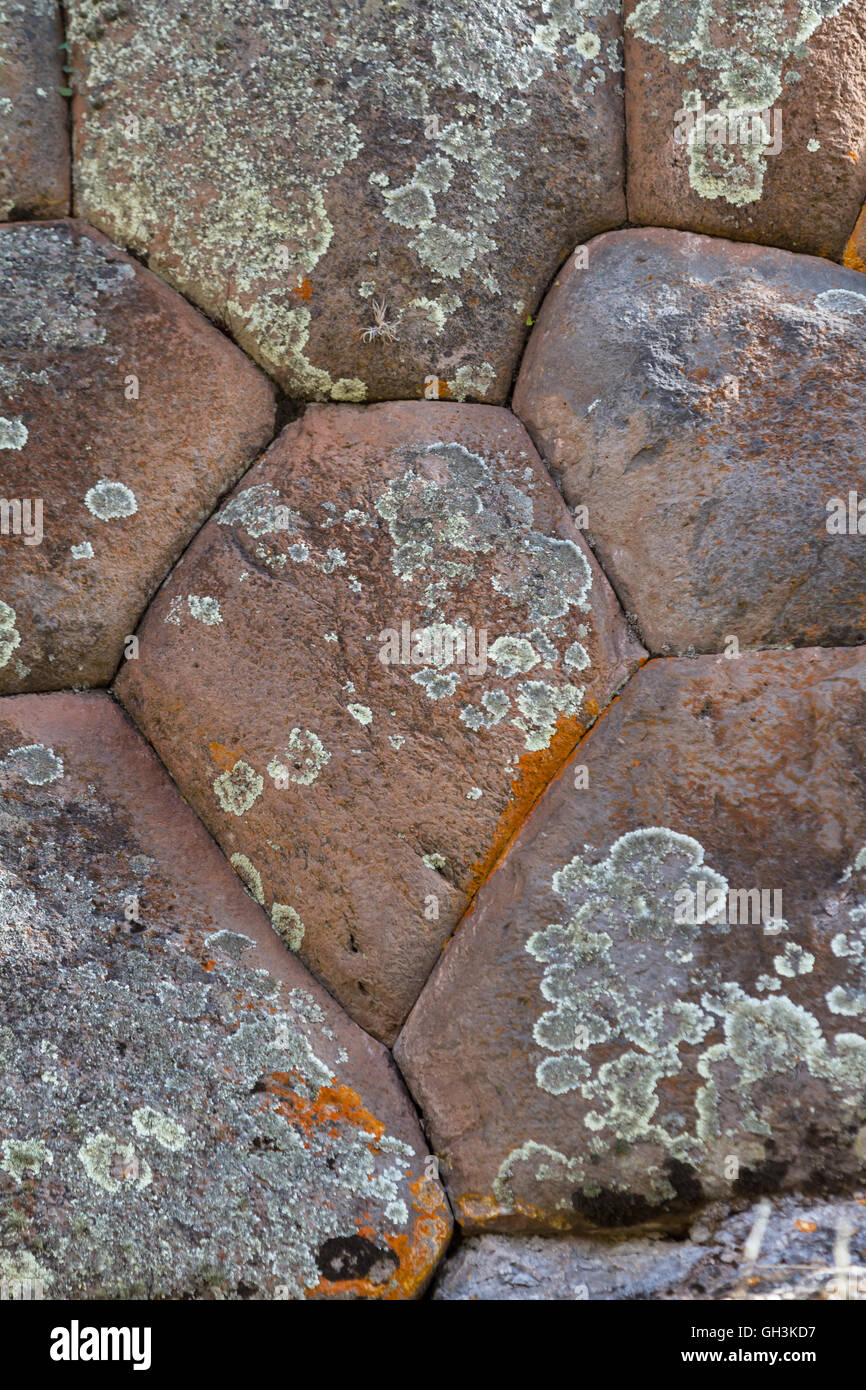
pixel 531 1268
pixel 34 138
pixel 363 799
pixel 793 1249
pixel 124 415
pixel 435 160
pixel 748 121
pixel 706 402
pixel 653 1064
pixel 183 1111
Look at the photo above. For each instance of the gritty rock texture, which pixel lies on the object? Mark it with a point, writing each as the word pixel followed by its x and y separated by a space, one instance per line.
pixel 34 140
pixel 530 1268
pixel 748 121
pixel 183 1111
pixel 791 1250
pixel 123 417
pixel 365 670
pixel 704 400
pixel 665 974
pixel 375 195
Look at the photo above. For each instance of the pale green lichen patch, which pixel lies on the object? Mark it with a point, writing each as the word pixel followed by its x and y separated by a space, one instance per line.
pixel 204 609
pixel 20 1270
pixel 22 1158
pixel 280 105
pixel 34 762
pixel 247 871
pixel 238 788
pixel 645 1009
pixel 110 501
pixel 13 433
pixel 737 55
pixel 152 1124
pixel 287 924
pixel 257 510
pixel 303 760
pixel 454 516
pixel 113 1164
pixel 10 637
pixel 155 1083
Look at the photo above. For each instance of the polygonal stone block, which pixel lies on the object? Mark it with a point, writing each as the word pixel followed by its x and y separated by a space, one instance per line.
pixel 124 415
pixel 365 670
pixel 374 197
pixel 666 975
pixel 184 1112
pixel 748 121
pixel 704 404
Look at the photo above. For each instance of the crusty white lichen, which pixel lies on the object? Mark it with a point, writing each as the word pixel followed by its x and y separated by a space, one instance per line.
pixel 738 54
pixel 208 1100
pixel 10 637
pixel 303 760
pixel 278 105
pixel 619 1039
pixel 51 281
pixel 36 763
pixel 109 500
pixel 238 788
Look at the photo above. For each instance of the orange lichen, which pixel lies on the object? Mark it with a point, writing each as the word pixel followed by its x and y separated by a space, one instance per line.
pixel 224 757
pixel 417 1252
pixel 334 1106
pixel 442 391
pixel 303 289
pixel 855 252
pixel 535 771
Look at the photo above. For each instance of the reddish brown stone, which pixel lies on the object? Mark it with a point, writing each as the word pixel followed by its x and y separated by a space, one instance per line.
pixel 705 401
pixel 124 415
pixel 372 798
pixel 34 138
pixel 184 1112
pixel 776 154
pixel 373 197
pixel 587 1057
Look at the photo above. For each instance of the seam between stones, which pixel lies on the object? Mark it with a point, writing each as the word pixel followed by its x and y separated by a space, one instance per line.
pixel 509 843
pixel 70 126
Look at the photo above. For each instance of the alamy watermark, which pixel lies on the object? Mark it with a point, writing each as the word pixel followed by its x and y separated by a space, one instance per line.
pixel 733 906
pixel 22 516
pixel 439 645
pixel 846 516
pixel 697 126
